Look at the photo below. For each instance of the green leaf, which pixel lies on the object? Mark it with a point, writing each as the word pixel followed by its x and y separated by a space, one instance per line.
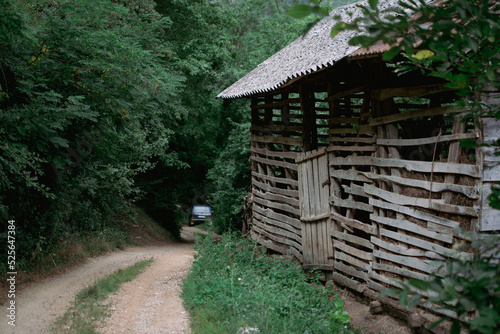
pixel 373 4
pixel 423 54
pixel 300 11
pixel 391 54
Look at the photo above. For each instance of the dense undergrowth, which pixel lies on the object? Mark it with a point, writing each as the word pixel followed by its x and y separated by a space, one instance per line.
pixel 235 286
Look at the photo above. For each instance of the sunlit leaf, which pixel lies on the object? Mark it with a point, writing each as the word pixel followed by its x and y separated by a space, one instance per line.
pixel 423 54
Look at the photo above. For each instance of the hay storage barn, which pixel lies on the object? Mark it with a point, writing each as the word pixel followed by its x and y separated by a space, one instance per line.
pixel 356 170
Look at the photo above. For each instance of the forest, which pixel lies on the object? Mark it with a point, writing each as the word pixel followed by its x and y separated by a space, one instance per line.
pixel 107 104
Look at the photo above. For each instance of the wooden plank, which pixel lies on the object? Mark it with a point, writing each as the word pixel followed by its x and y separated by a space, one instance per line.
pixel 301 157
pixel 350 270
pixel 354 189
pixel 469 191
pixel 283 225
pixel 351 148
pixel 421 202
pixel 352 161
pixel 345 281
pixel 351 260
pixel 352 175
pixel 274 227
pixel 271 245
pixel 277 140
pixel 424 244
pixel 398 249
pixel 387 280
pixel 351 204
pixel 414 91
pixel 278 128
pixel 281 180
pixel 490 220
pixel 293 222
pixel 352 140
pixel 267 187
pixel 279 206
pixel 412 227
pixel 415 113
pixel 352 238
pixel 272 162
pixel 353 223
pixel 428 166
pixel 399 271
pixel 277 198
pixel 278 154
pixel 414 213
pixel 276 103
pixel 353 251
pixel 425 141
pixel 275 238
pixel 491 172
pixel 343 120
pixel 409 262
pixel 348 92
pixel 315 218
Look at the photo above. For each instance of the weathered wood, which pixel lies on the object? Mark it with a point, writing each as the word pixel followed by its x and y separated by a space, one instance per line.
pixel 273 162
pixel 414 213
pixel 424 244
pixel 277 140
pixel 352 204
pixel 350 174
pixel 352 260
pixel 415 113
pixel 275 179
pixel 414 91
pixel 351 148
pixel 420 202
pixel 343 120
pixel 349 270
pixel 277 198
pixel 354 190
pixel 275 227
pixel 387 280
pixel 407 261
pixel 277 103
pixel 425 141
pixel 292 222
pixel 271 245
pixel 353 223
pixel 490 220
pixel 427 166
pixel 315 218
pixel 401 250
pixel 348 92
pixel 353 251
pixel 267 187
pixel 276 238
pixel 352 238
pixel 310 155
pixel 278 128
pixel 399 271
pixel 352 140
pixel 345 281
pixel 469 191
pixel 352 161
pixel 279 206
pixel 412 227
pixel 278 154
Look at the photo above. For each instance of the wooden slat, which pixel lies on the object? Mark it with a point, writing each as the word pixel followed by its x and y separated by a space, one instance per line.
pixel 352 204
pixel 353 251
pixel 285 192
pixel 428 166
pixel 410 262
pixel 278 154
pixel 352 238
pixel 279 206
pixel 412 252
pixel 343 120
pixel 352 260
pixel 275 238
pixel 423 244
pixel 421 202
pixel 352 161
pixel 276 128
pixel 268 226
pixel 425 141
pixel 351 148
pixel 276 179
pixel 348 282
pixel 295 223
pixel 399 271
pixel 277 198
pixel 271 245
pixel 268 220
pixel 469 191
pixel 314 218
pixel 352 140
pixel 354 189
pixel 277 140
pixel 353 223
pixel 351 271
pixel 350 174
pixel 414 91
pixel 349 92
pixel 272 162
pixel 412 227
pixel 310 155
pixel 414 213
pixel 277 103
pixel 415 113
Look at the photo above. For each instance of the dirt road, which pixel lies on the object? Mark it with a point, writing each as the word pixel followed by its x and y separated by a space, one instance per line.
pixel 148 304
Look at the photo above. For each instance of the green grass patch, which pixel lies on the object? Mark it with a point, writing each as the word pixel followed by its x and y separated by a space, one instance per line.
pixel 234 285
pixel 89 308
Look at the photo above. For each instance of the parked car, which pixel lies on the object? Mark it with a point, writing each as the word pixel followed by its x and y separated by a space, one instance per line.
pixel 200 214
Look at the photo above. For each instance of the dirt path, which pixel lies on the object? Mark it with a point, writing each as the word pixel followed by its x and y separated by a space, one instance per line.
pixel 148 304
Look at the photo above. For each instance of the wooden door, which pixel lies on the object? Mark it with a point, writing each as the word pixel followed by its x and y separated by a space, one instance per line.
pixel 314 180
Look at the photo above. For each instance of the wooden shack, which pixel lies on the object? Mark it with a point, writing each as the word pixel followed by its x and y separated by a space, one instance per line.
pixel 358 171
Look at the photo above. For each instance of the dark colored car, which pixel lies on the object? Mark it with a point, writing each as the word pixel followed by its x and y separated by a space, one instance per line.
pixel 199 214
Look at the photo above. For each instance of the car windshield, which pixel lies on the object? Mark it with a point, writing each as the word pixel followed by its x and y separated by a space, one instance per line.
pixel 202 210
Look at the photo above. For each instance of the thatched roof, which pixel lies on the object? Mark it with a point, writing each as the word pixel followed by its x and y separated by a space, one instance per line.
pixel 308 54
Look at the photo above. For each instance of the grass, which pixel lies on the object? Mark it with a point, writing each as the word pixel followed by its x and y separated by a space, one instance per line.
pixel 89 308
pixel 234 286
